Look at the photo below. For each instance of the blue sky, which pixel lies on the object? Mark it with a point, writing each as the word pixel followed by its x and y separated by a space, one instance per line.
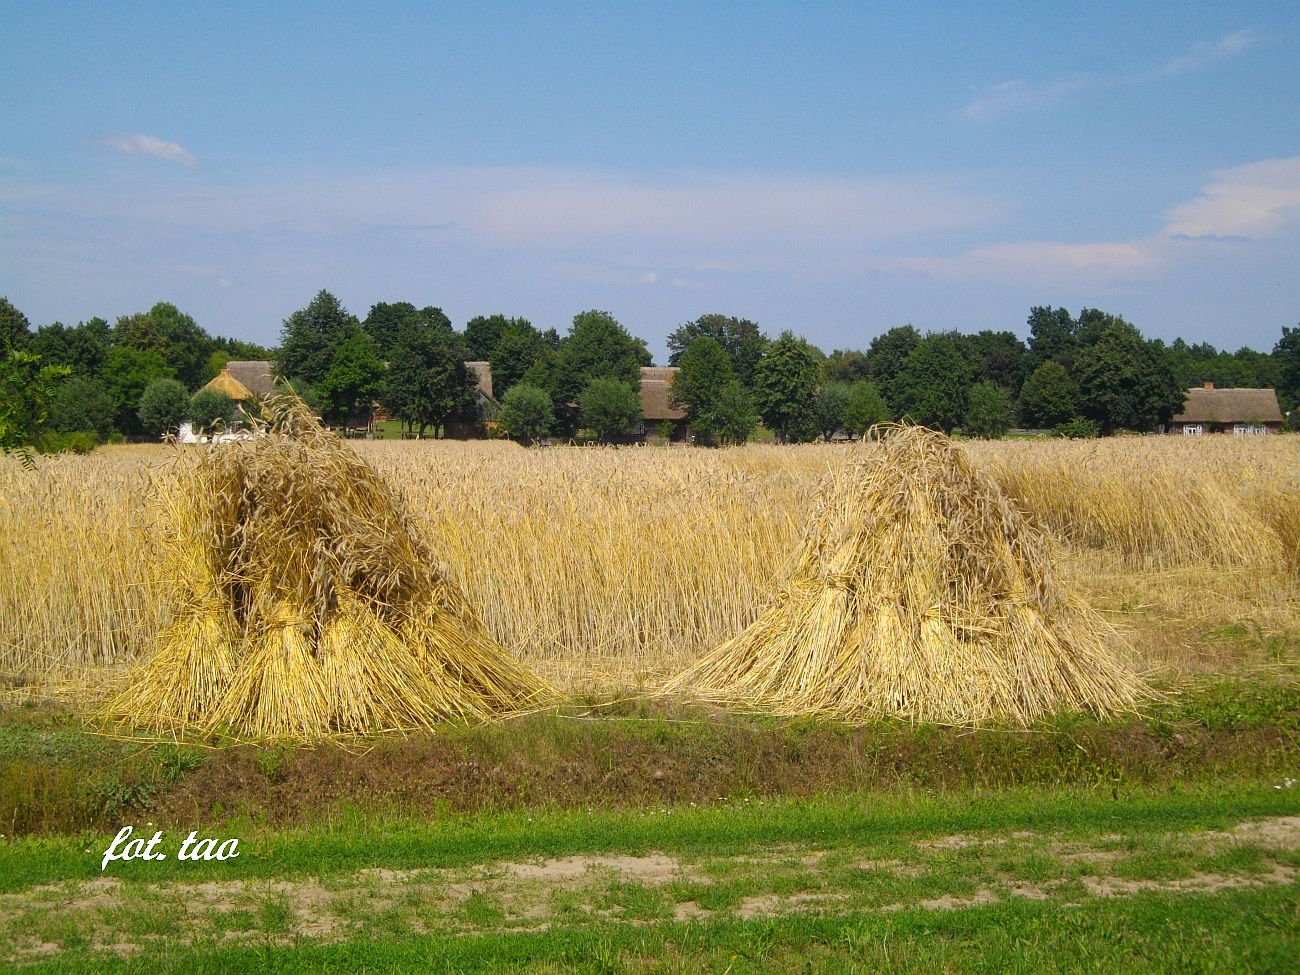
pixel 837 169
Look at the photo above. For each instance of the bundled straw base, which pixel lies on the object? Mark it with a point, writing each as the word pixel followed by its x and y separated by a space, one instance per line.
pixel 920 593
pixel 309 606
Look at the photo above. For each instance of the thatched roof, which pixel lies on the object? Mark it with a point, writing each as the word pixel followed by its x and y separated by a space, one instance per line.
pixel 1230 406
pixel 655 382
pixel 227 384
pixel 254 374
pixel 483 371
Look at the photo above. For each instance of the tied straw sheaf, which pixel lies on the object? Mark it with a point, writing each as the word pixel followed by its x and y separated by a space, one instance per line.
pixel 308 606
pixel 920 592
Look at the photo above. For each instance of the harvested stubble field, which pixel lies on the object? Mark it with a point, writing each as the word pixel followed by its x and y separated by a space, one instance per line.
pixel 608 569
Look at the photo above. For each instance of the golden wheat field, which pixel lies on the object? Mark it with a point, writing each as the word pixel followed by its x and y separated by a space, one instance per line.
pixel 608 569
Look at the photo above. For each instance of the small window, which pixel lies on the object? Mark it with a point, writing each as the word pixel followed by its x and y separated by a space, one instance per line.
pixel 1192 429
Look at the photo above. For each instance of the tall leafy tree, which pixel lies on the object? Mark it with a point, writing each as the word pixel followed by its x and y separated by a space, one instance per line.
pixel 1051 336
pixel 164 406
pixel 704 372
pixel 1287 355
pixel 988 412
pixel 1126 382
pixel 484 333
pixel 885 358
pixel 1048 396
pixel 26 386
pixel 83 348
pixel 830 408
pixel 865 408
pixel 742 340
pixel 733 416
pixel 933 383
pixel 610 407
pixel 785 388
pixel 998 358
pixel 82 403
pixel 310 337
pixel 846 366
pixel 210 408
pixel 520 347
pixel 526 412
pixel 386 318
pixel 15 329
pixel 175 336
pixel 427 382
pixel 350 384
pixel 597 347
pixel 127 371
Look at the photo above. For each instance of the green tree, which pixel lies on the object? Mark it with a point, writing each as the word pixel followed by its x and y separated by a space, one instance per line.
pixel 1048 396
pixel 1126 382
pixel 988 412
pixel 210 408
pixel 1287 355
pixel 704 371
pixel 933 383
pixel 427 382
pixel 164 406
pixel 733 416
pixel 742 340
pixel 846 366
pixel 15 329
pixel 830 408
pixel 385 320
pixel 597 347
pixel 484 333
pixel 998 358
pixel 519 349
pixel 25 390
pixel 126 373
pixel 785 388
pixel 610 408
pixel 885 358
pixel 175 336
pixel 865 408
pixel 82 403
pixel 526 412
pixel 1051 336
pixel 82 348
pixel 311 336
pixel 350 384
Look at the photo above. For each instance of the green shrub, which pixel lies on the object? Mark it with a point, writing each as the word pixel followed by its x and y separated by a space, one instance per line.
pixel 76 442
pixel 1076 429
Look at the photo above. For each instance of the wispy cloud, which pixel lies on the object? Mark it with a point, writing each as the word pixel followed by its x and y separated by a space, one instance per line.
pixel 1044 260
pixel 1018 96
pixel 1256 200
pixel 1210 52
pixel 137 144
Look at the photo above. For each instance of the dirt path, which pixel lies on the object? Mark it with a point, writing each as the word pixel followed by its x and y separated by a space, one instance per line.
pixel 940 874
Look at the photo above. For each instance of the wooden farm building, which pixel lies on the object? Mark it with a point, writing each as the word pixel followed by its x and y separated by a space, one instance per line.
pixel 656 405
pixel 1244 412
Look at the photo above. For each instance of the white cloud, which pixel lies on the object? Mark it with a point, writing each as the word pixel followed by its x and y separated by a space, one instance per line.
pixel 137 144
pixel 1209 52
pixel 649 278
pixel 1255 200
pixel 1018 96
pixel 1015 96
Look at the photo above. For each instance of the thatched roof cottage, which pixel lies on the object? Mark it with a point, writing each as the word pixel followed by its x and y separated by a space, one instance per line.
pixel 1243 412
